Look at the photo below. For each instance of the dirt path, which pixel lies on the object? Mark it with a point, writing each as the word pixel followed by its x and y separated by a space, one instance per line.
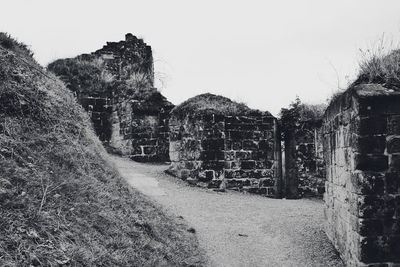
pixel 239 229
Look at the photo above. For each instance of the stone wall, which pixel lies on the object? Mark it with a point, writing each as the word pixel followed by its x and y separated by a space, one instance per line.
pixel 139 131
pixel 309 159
pixel 361 137
pixel 115 85
pixel 233 152
pixel 99 110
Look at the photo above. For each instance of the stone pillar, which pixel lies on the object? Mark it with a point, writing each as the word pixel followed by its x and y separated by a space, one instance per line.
pixel 361 135
pixel 291 174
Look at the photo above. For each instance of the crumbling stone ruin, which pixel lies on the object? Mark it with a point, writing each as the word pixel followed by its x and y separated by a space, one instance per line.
pixel 115 85
pixel 361 139
pixel 217 143
pixel 214 142
pixel 304 169
pixel 304 163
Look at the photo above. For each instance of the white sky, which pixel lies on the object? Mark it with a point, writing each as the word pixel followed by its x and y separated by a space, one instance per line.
pixel 263 53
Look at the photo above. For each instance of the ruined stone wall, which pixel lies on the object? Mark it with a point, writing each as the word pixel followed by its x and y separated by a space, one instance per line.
pixel 140 134
pixel 309 159
pixel 361 136
pixel 115 85
pixel 128 59
pixel 234 152
pixel 99 110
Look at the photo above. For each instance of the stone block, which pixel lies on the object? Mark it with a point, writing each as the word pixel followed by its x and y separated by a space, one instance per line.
pixel 230 174
pixel 393 144
pixel 393 125
pixel 370 162
pixel 372 125
pixel 376 207
pixel 213 165
pixel 394 162
pixel 367 183
pixel 374 249
pixel 248 164
pixel 250 145
pixel 213 144
pixel 229 155
pixel 393 182
pixel 210 155
pixel 149 150
pixel 371 144
pixel 266 182
pixel 243 155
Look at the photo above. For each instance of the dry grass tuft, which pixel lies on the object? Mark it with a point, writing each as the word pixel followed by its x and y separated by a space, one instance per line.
pixel 380 65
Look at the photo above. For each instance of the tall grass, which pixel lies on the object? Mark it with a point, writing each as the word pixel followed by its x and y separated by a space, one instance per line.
pixel 380 64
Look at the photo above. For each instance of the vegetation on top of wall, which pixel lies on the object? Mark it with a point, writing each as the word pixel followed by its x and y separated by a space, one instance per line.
pixel 82 76
pixel 61 201
pixel 212 104
pixel 91 78
pixel 381 68
pixel 293 118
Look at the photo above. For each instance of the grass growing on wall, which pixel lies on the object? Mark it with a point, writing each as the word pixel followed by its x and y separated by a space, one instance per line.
pixel 380 64
pixel 61 201
pixel 212 104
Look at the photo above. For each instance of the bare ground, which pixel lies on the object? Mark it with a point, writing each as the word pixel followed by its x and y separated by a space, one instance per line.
pixel 237 229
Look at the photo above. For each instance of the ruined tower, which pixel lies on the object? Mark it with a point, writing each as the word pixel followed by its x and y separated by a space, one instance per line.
pixel 115 85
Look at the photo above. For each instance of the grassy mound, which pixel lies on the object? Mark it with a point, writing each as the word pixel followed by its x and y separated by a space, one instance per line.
pixel 61 202
pixel 212 104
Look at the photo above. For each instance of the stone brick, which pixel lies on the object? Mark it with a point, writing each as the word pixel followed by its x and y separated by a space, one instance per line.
pixel 243 155
pixel 213 144
pixel 374 249
pixel 229 155
pixel 367 183
pixel 229 174
pixel 371 162
pixel 214 165
pixel 371 144
pixel 373 125
pixel 393 125
pixel 250 145
pixel 248 164
pixel 393 182
pixel 376 207
pixel 393 144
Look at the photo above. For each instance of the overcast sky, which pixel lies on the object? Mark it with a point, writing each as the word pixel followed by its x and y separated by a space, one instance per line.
pixel 263 53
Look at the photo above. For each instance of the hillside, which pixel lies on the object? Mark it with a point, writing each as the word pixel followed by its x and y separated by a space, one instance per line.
pixel 61 201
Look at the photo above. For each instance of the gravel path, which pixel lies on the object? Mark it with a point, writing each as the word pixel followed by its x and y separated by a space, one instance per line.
pixel 237 229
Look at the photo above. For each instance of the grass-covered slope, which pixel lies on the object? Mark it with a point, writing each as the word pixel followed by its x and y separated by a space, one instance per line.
pixel 61 202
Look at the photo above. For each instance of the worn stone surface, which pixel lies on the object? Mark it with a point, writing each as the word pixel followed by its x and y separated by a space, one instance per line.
pixel 362 198
pixel 234 152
